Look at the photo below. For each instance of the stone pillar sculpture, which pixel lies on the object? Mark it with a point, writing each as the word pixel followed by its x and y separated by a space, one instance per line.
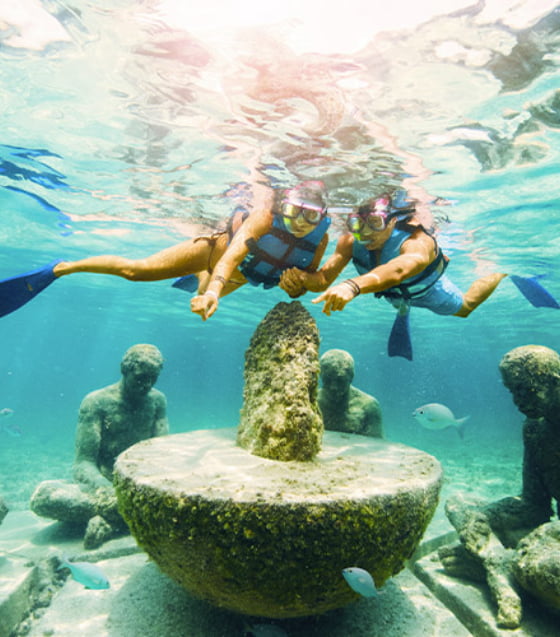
pixel 280 418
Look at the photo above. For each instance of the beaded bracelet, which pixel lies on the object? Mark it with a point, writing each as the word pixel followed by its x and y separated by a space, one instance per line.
pixel 211 293
pixel 354 286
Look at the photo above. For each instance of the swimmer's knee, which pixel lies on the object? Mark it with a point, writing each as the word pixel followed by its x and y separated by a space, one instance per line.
pixel 463 312
pixel 134 270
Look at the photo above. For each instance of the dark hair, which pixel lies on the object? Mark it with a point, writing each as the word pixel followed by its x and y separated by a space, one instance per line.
pixel 313 192
pixel 398 206
pixel 368 205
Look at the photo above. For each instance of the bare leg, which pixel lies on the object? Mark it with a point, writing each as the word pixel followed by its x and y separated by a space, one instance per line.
pixel 479 291
pixel 189 257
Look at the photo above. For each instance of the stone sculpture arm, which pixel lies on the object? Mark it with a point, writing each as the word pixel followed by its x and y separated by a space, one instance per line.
pixel 88 441
pixel 513 517
pixel 373 422
pixel 535 493
pixel 161 424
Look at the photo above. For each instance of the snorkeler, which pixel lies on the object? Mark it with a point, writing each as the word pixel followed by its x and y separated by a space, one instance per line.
pixel 287 228
pixel 292 230
pixel 397 258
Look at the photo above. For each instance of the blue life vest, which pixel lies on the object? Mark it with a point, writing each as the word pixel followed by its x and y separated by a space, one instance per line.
pixel 279 250
pixel 365 260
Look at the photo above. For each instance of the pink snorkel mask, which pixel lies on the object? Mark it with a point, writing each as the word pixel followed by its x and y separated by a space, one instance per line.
pixel 372 216
pixel 292 209
pixel 305 200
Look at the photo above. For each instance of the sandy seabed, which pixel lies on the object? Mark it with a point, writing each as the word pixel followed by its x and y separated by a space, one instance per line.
pixel 482 466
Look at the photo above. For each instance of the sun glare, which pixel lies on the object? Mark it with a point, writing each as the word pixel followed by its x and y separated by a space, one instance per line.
pixel 309 25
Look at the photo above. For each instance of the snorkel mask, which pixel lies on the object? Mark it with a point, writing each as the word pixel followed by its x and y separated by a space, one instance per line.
pixel 369 217
pixel 311 213
pixel 306 201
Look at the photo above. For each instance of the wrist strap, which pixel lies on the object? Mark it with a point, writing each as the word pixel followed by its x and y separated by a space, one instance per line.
pixel 354 286
pixel 211 293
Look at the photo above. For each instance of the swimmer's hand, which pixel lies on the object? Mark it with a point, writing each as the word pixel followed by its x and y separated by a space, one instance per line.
pixel 205 304
pixel 292 282
pixel 335 298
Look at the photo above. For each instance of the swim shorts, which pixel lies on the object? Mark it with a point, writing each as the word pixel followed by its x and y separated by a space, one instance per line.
pixel 444 297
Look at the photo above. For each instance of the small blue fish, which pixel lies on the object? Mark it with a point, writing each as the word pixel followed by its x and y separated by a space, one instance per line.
pixel 90 575
pixel 6 412
pixel 360 581
pixel 436 416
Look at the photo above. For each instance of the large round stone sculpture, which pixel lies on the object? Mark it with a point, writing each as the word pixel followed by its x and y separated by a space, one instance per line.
pixel 270 538
pixel 262 519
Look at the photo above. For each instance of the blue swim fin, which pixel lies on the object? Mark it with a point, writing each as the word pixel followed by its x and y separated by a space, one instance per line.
pixel 534 292
pixel 399 339
pixel 18 290
pixel 189 283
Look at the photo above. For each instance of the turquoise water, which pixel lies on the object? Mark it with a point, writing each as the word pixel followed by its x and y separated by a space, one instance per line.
pixel 129 127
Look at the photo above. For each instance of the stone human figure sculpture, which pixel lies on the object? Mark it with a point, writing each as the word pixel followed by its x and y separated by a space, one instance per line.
pixel 110 420
pixel 490 531
pixel 343 406
pixel 3 510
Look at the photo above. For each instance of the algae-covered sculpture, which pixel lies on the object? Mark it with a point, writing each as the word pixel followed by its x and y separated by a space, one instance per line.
pixel 343 406
pixel 269 537
pixel 536 564
pixel 110 420
pixel 280 418
pixel 3 510
pixel 511 540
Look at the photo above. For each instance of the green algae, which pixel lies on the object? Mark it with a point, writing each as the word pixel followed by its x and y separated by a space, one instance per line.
pixel 275 559
pixel 280 418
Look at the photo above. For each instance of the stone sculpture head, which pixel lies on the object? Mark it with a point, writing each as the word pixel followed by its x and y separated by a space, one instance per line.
pixel 532 374
pixel 337 370
pixel 140 368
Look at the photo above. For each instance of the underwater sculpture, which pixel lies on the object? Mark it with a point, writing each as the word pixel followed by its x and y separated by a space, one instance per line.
pixel 280 418
pixel 3 510
pixel 268 537
pixel 343 406
pixel 110 420
pixel 511 542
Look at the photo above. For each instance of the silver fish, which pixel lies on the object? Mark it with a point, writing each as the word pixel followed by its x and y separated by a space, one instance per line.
pixel 436 416
pixel 90 575
pixel 360 581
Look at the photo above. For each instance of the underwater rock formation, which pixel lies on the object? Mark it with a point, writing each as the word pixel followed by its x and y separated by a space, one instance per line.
pixel 280 418
pixel 269 538
pixel 536 564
